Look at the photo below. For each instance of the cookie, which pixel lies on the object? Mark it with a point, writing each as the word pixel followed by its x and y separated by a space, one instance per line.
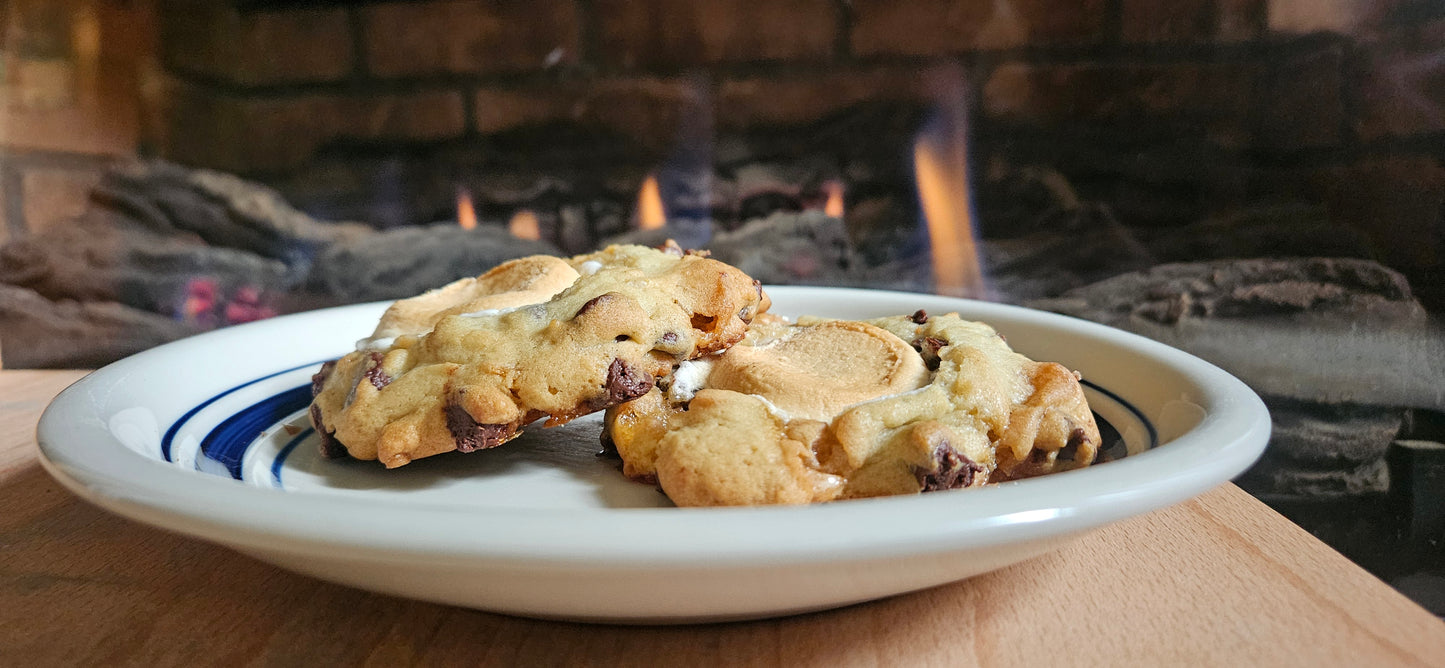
pixel 826 410
pixel 528 280
pixel 477 376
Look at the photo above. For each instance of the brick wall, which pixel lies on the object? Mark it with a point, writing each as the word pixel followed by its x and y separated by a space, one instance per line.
pixel 1272 75
pixel 1296 93
pixel 70 103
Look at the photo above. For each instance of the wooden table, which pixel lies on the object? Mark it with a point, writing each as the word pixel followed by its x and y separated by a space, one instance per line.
pixel 1220 580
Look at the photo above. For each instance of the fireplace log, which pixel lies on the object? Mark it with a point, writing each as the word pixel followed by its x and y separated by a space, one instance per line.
pixel 36 332
pixel 1338 348
pixel 100 258
pixel 1320 434
pixel 223 210
pixel 1332 330
pixel 808 248
pixel 406 261
pixel 1274 478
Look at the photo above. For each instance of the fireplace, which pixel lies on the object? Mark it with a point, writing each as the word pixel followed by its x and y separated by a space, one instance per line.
pixel 1259 182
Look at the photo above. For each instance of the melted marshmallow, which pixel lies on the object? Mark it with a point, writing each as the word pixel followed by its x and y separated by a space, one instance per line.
pixel 490 312
pixel 687 379
pixel 773 408
pixel 375 343
pixel 589 267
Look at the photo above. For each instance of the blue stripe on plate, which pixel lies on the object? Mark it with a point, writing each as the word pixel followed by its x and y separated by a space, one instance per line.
pixel 1149 426
pixel 228 442
pixel 176 427
pixel 286 452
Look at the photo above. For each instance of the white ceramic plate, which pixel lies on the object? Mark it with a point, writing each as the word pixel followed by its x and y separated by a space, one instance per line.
pixel 208 437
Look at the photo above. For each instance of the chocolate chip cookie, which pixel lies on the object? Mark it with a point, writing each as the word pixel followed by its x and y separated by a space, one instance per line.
pixel 504 354
pixel 827 409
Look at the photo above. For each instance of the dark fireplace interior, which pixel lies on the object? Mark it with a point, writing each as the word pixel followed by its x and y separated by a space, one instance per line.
pixel 1259 182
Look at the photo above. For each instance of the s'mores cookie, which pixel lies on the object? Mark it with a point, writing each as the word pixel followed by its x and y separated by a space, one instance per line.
pixel 468 366
pixel 827 409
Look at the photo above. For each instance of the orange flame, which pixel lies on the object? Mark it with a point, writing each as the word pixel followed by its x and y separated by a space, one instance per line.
pixel 834 206
pixel 942 172
pixel 525 225
pixel 466 213
pixel 650 214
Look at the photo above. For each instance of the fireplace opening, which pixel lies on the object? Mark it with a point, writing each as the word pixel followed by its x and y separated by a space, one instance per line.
pixel 1259 183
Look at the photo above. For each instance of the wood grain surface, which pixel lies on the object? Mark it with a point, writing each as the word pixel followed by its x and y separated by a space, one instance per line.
pixel 1220 580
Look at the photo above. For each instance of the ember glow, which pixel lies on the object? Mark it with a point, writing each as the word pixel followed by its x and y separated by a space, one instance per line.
pixel 650 214
pixel 834 205
pixel 940 164
pixel 525 225
pixel 466 213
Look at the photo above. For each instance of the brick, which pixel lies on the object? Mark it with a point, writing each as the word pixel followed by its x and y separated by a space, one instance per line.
pixel 469 36
pixel 195 126
pixel 5 221
pixel 1399 85
pixel 423 116
pixel 648 110
pixel 1398 202
pixel 1153 21
pixel 938 27
pixel 664 34
pixel 207 128
pixel 211 38
pixel 744 102
pixel 98 109
pixel 1118 94
pixel 1301 102
pixel 1347 17
pixel 51 196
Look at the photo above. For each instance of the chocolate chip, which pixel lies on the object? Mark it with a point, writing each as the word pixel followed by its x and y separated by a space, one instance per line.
pixel 746 314
pixel 377 375
pixel 758 288
pixel 919 317
pixel 330 447
pixel 595 302
pixel 669 337
pixel 470 435
pixel 319 380
pixel 1070 451
pixel 953 470
pixel 928 348
pixel 624 383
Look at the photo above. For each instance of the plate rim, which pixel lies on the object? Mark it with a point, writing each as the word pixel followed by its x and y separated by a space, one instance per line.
pixel 1231 437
